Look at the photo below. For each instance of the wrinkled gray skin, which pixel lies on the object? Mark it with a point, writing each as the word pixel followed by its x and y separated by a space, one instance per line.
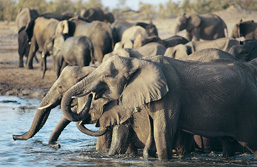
pixel 118 28
pixel 98 32
pixel 206 27
pixel 69 77
pixel 246 51
pixel 181 51
pixel 24 16
pixel 93 14
pixel 150 49
pixel 66 50
pixel 246 29
pixel 173 96
pixel 38 32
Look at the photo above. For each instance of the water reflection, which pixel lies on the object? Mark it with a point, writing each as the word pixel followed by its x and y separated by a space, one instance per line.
pixel 77 149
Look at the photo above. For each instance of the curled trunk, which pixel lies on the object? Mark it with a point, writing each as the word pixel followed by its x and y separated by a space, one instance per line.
pixel 86 131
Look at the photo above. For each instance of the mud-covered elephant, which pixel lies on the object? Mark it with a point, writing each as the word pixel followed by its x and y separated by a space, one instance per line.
pixel 120 26
pixel 24 16
pixel 246 51
pixel 206 27
pixel 98 32
pixel 38 31
pixel 182 51
pixel 246 29
pixel 67 50
pixel 216 98
pixel 92 14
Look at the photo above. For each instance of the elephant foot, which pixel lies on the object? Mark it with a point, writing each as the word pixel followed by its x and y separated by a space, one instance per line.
pixel 20 66
pixel 145 154
pixel 55 145
pixel 29 67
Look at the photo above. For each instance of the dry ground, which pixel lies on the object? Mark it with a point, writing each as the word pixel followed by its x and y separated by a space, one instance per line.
pixel 23 82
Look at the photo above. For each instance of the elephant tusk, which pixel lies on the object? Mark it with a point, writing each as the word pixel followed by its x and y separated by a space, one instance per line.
pixel 44 107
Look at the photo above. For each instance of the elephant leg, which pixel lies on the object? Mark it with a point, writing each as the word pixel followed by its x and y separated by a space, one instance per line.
pixel 57 131
pixel 32 52
pixel 149 140
pixel 20 64
pixel 120 139
pixel 228 145
pixel 184 142
pixel 103 142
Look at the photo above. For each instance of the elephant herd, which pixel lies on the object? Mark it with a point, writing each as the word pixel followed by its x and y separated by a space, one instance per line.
pixel 163 96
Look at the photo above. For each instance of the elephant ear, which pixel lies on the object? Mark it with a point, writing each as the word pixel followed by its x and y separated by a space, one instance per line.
pixel 146 83
pixel 58 43
pixel 62 27
pixel 193 22
pixel 115 115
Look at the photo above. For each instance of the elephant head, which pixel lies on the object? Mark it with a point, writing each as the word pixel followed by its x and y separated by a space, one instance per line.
pixel 125 80
pixel 68 77
pixel 52 47
pixel 187 22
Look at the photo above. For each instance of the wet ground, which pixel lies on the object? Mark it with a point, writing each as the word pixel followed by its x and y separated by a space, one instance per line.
pixel 77 149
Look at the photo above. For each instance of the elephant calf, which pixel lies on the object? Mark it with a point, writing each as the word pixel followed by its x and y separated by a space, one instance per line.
pixel 66 50
pixel 247 29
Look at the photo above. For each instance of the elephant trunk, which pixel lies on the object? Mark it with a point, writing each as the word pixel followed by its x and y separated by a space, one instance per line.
pixel 86 131
pixel 40 117
pixel 44 55
pixel 67 101
pixel 176 30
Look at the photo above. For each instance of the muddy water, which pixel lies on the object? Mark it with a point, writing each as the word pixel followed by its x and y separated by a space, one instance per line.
pixel 77 149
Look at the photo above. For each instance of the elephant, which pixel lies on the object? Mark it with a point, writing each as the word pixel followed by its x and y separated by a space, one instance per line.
pixel 206 27
pixel 246 29
pixel 98 32
pixel 120 26
pixel 38 31
pixel 97 13
pixel 210 99
pixel 180 51
pixel 168 42
pixel 150 49
pixel 246 51
pixel 66 50
pixel 23 46
pixel 24 16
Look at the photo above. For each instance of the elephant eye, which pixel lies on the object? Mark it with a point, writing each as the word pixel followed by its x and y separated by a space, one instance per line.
pixel 60 87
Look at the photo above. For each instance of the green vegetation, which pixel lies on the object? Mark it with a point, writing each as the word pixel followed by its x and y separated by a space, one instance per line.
pixel 172 8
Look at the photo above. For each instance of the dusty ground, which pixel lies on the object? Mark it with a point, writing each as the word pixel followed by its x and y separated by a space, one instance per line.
pixel 23 82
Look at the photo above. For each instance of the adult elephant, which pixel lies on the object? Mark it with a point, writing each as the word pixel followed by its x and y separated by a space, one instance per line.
pixel 206 27
pixel 119 27
pixel 24 16
pixel 98 32
pixel 66 50
pixel 246 29
pixel 182 51
pixel 210 99
pixel 38 31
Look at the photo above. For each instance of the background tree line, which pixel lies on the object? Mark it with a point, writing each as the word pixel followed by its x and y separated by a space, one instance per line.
pixel 172 8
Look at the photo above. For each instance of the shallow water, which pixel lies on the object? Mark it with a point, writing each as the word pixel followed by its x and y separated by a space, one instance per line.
pixel 77 149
